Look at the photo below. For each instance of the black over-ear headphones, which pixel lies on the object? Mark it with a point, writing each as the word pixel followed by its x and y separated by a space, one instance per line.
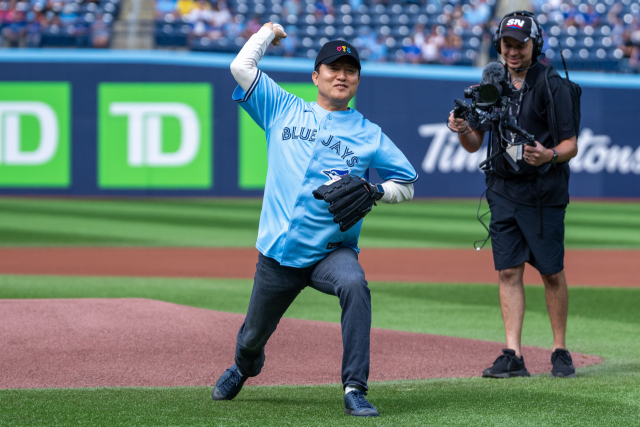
pixel 536 33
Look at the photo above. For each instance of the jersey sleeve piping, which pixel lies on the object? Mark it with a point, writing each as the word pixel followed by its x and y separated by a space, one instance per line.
pixel 251 88
pixel 404 181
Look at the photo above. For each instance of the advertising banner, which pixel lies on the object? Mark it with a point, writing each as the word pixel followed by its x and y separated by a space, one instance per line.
pixel 154 135
pixel 151 123
pixel 34 135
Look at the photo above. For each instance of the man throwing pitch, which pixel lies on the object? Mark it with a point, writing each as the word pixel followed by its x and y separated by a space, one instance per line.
pixel 318 157
pixel 528 203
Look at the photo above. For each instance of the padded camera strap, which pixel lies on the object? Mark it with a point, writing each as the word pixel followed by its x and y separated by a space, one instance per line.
pixel 554 127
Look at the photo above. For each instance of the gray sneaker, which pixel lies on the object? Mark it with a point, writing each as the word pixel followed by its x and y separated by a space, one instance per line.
pixel 229 384
pixel 357 405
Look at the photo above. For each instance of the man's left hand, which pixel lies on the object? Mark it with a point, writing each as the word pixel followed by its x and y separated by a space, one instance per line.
pixel 537 155
pixel 351 198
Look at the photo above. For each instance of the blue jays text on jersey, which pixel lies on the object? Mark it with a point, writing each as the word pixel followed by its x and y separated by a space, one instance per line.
pixel 291 134
pixel 306 145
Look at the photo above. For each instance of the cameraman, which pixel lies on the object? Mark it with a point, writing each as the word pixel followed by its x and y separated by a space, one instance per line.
pixel 528 206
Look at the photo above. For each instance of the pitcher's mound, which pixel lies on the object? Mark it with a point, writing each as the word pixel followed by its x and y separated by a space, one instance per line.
pixel 139 342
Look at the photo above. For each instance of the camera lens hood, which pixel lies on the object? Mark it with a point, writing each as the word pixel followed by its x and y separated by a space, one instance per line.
pixel 489 93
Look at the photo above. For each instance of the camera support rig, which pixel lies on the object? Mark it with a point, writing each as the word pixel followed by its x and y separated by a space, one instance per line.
pixel 461 110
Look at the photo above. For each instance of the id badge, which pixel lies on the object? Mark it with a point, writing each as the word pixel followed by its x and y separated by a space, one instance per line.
pixel 515 152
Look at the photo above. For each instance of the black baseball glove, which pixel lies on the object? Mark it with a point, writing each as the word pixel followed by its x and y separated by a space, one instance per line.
pixel 350 198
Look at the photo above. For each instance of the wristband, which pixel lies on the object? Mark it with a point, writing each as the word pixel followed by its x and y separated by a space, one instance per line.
pixel 555 156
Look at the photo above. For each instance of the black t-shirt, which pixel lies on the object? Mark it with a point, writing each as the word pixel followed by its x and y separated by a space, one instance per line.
pixel 553 180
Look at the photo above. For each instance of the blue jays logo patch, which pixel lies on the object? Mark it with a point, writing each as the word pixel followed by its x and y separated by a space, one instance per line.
pixel 335 174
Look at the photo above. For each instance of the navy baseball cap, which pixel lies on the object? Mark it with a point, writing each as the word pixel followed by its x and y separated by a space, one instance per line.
pixel 334 50
pixel 520 27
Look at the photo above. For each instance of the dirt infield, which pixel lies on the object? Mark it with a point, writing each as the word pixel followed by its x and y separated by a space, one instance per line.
pixel 583 267
pixel 138 342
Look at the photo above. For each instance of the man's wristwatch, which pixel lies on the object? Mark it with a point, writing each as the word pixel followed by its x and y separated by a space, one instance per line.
pixel 555 156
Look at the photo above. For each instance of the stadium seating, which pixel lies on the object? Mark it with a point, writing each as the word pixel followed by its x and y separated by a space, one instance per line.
pixel 382 31
pixel 71 23
pixel 592 34
pixel 424 31
pixel 588 32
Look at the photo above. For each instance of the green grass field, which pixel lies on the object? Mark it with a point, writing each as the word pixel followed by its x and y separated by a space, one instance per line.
pixel 234 223
pixel 602 321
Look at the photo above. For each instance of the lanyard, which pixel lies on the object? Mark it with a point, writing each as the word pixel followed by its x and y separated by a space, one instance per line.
pixel 515 116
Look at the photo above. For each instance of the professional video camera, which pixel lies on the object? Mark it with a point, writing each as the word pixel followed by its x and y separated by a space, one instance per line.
pixel 489 103
pixel 485 95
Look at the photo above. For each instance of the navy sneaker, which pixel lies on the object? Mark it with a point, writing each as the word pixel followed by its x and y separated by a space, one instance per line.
pixel 507 365
pixel 229 384
pixel 562 364
pixel 356 404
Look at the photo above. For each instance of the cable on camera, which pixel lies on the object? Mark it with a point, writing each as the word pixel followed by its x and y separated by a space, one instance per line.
pixel 486 239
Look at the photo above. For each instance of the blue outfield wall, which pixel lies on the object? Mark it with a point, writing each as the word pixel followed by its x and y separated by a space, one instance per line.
pixel 131 118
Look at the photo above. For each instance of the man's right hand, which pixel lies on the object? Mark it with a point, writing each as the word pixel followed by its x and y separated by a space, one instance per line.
pixel 457 125
pixel 278 31
pixel 469 138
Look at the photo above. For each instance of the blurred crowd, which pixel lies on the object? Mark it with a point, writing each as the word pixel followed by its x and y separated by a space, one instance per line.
pixel 591 32
pixel 629 47
pixel 213 20
pixel 420 31
pixel 37 23
pixel 594 34
pixel 438 43
pixel 605 29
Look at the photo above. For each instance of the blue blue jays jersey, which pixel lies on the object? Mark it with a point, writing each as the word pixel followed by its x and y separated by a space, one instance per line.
pixel 306 147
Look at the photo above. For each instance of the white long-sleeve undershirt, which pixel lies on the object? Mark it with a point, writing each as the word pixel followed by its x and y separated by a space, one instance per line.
pixel 245 68
pixel 396 193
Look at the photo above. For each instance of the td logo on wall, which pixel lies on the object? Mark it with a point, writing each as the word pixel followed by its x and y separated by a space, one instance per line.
pixel 154 135
pixel 34 134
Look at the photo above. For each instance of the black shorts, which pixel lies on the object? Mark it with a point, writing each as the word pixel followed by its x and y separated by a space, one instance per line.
pixel 514 238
